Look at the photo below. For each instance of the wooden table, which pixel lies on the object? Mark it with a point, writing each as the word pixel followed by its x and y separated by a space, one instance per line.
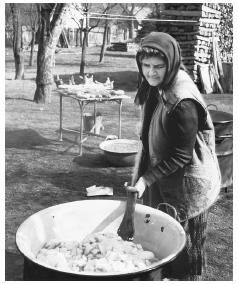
pixel 82 103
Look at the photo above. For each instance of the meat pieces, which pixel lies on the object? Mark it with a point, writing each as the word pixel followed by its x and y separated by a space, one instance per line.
pixel 99 252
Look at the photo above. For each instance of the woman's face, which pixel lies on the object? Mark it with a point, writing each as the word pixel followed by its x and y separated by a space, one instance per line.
pixel 154 69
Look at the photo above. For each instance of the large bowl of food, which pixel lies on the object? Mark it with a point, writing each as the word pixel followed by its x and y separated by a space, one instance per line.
pixel 78 241
pixel 120 152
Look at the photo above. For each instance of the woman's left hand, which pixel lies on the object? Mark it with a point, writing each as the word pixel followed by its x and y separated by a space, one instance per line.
pixel 139 187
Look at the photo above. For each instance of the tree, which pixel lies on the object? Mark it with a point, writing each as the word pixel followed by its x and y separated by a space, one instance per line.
pixel 87 22
pixel 108 8
pixel 52 16
pixel 131 10
pixel 34 21
pixel 8 15
pixel 77 16
pixel 86 30
pixel 17 41
pixel 28 18
pixel 79 37
pixel 149 26
pixel 103 47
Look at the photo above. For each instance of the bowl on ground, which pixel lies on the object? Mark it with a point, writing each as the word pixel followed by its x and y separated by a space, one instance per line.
pixel 120 152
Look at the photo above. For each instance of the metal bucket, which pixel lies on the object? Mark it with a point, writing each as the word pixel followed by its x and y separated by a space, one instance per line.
pixel 88 121
pixel 154 230
pixel 224 151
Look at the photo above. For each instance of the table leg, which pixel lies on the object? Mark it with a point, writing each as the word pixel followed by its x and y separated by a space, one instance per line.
pixel 61 118
pixel 81 130
pixel 95 109
pixel 120 107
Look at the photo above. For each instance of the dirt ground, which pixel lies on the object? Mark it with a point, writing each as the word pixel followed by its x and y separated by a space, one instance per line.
pixel 41 171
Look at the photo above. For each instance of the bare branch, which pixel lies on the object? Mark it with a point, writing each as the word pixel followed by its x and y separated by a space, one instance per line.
pixel 109 7
pixel 142 7
pixel 124 8
pixel 52 12
pixel 94 26
pixel 79 24
pixel 128 11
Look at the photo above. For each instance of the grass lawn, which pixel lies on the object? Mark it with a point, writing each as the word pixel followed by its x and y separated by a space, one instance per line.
pixel 41 171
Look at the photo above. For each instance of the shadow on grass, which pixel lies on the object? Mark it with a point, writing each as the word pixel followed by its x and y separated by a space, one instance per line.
pixel 90 169
pixel 73 180
pixel 24 139
pixel 14 266
pixel 125 80
pixel 19 99
pixel 79 180
pixel 93 160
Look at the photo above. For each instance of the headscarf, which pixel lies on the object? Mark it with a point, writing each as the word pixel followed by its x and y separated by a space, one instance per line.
pixel 167 45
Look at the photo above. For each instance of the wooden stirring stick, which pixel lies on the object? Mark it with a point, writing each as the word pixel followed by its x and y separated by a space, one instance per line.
pixel 126 229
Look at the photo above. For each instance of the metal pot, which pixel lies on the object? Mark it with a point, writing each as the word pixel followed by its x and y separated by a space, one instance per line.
pixel 219 117
pixel 154 230
pixel 120 152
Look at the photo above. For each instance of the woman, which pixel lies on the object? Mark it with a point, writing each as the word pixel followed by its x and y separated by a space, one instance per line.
pixel 177 165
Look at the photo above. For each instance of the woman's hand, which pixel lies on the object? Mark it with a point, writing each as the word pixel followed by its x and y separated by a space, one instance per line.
pixel 139 187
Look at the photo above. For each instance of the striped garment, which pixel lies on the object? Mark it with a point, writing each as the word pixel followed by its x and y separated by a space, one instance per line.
pixel 191 262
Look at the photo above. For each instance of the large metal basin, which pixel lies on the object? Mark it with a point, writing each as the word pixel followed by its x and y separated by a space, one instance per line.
pixel 155 230
pixel 120 152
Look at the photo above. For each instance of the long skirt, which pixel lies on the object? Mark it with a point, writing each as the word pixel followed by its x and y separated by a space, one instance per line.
pixel 191 262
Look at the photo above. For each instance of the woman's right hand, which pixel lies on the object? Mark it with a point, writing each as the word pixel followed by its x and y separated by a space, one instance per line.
pixel 130 188
pixel 139 187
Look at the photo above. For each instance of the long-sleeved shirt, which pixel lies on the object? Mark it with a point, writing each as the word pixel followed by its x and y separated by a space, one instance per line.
pixel 182 128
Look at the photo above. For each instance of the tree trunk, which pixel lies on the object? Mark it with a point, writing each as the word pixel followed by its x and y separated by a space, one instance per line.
pixel 19 64
pixel 77 37
pixel 44 79
pixel 103 48
pixel 131 29
pixel 109 35
pixel 31 61
pixel 49 36
pixel 81 37
pixel 125 33
pixel 17 43
pixel 87 42
pixel 83 56
pixel 81 32
pixel 68 36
